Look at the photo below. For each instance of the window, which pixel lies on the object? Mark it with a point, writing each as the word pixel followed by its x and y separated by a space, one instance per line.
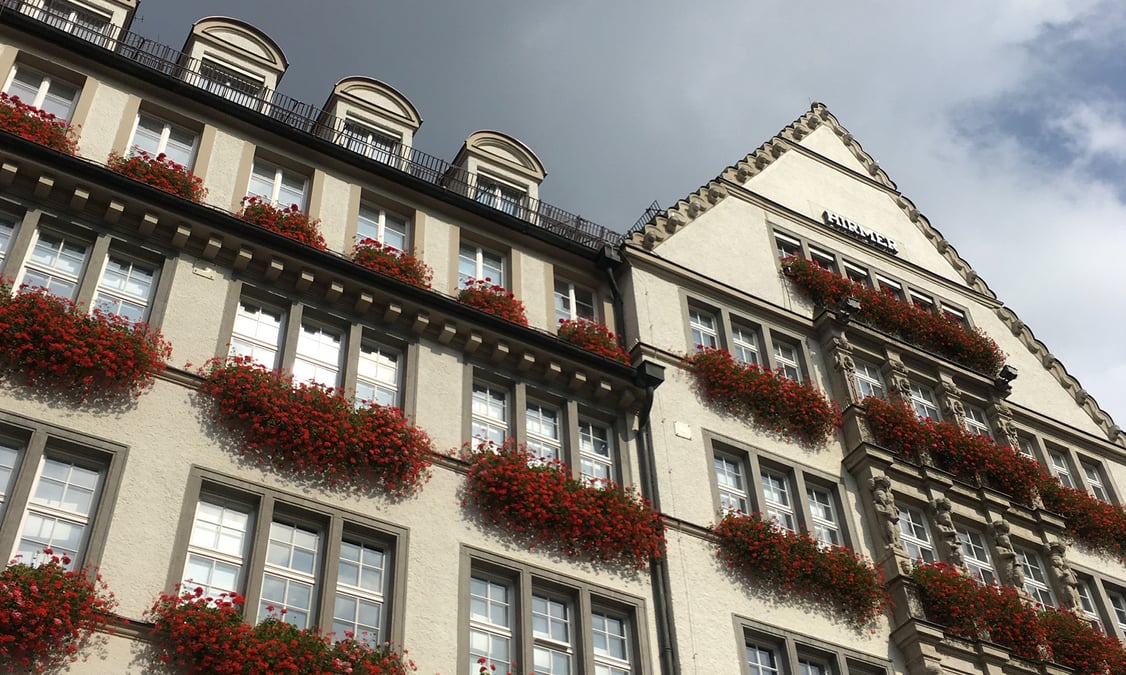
pixel 1095 481
pixel 490 413
pixel 787 247
pixel 889 287
pixel 596 452
pixel 45 92
pixel 474 262
pixel 230 84
pixel 572 302
pixel 703 327
pixel 769 652
pixel 500 196
pixel 922 301
pixel 383 226
pixel 978 561
pixel 823 509
pixel 857 274
pixel 924 403
pixel 811 667
pixel 1035 580
pixel 318 355
pixel 787 361
pixel 1061 468
pixel 954 314
pixel 1027 446
pixel 257 332
pixel 1118 603
pixel 56 264
pixel 826 261
pixel 126 288
pixel 561 640
pixel 156 136
pixel 731 482
pixel 7 229
pixel 542 427
pixel 976 421
pixel 762 660
pixel 377 375
pixel 245 540
pixel 1087 603
pixel 869 380
pixel 914 534
pixel 77 20
pixel 744 341
pixel 777 497
pixel 378 145
pixel 55 492
pixel 281 187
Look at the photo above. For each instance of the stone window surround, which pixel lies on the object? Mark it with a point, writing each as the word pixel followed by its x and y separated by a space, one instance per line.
pixel 572 410
pixel 354 334
pixel 1102 586
pixel 11 59
pixel 789 646
pixel 753 460
pixel 332 522
pixel 586 598
pixel 37 438
pixel 1076 459
pixel 100 246
pixel 766 332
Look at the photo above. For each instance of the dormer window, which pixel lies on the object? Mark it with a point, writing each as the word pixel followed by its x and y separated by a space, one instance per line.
pixel 369 142
pixel 77 20
pixel 499 196
pixel 230 84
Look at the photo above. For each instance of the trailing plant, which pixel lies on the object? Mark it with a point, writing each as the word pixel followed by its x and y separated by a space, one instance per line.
pixel 389 260
pixel 1099 525
pixel 48 613
pixel 38 126
pixel 159 172
pixel 47 341
pixel 207 635
pixel 290 221
pixel 543 503
pixel 315 432
pixel 1075 643
pixel 796 409
pixel 798 565
pixel 967 455
pixel 495 299
pixel 932 331
pixel 593 337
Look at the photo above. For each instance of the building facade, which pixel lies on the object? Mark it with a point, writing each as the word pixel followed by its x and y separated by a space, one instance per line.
pixel 155 493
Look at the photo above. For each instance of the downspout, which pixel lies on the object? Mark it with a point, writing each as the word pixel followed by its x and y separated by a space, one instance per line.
pixel 649 375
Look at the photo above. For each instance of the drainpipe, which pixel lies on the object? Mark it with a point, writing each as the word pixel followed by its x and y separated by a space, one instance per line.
pixel 649 375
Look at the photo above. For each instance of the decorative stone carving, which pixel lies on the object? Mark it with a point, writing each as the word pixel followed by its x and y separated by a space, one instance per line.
pixel 1007 566
pixel 899 385
pixel 1068 583
pixel 945 524
pixel 1003 421
pixel 952 402
pixel 883 501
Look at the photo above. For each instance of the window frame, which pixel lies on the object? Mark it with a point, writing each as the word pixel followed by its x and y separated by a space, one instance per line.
pixel 34 440
pixel 1040 588
pixel 571 301
pixel 236 84
pixel 167 127
pixel 499 194
pixel 791 648
pixel 45 81
pixel 368 133
pixel 976 566
pixel 479 251
pixel 280 173
pixel 771 340
pixel 911 540
pixel 382 215
pixel 54 16
pixel 335 525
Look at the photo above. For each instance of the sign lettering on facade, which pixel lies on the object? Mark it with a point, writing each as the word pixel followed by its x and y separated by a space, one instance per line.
pixel 846 226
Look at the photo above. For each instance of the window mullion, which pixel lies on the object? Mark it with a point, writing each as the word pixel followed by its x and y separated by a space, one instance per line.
pixel 27 470
pixel 329 573
pixel 92 273
pixel 256 556
pixel 290 335
pixel 799 502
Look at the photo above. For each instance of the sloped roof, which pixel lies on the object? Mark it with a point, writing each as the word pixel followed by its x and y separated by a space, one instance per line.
pixel 680 215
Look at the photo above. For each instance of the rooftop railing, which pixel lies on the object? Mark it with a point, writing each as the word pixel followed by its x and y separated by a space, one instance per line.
pixel 311 119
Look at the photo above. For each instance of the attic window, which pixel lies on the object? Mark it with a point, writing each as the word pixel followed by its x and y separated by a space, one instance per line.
pixel 230 84
pixel 77 20
pixel 501 197
pixel 369 142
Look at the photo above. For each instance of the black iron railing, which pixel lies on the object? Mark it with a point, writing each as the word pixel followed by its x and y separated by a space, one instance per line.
pixel 311 119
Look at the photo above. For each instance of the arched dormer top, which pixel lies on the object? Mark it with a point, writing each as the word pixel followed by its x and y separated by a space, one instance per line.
pixel 377 97
pixel 241 39
pixel 493 147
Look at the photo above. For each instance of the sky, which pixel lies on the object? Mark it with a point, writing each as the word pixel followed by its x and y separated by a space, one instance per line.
pixel 1003 121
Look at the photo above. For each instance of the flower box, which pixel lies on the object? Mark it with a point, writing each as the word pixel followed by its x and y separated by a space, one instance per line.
pixel 972 458
pixel 36 125
pixel 1075 643
pixel 486 296
pixel 391 261
pixel 159 172
pixel 314 432
pixel 593 337
pixel 207 635
pixel 290 221
pixel 933 332
pixel 545 505
pixel 49 613
pixel 798 565
pixel 768 399
pixel 47 341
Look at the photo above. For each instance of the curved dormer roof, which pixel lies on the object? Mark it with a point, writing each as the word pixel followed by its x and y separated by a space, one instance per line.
pixel 495 147
pixel 242 38
pixel 369 92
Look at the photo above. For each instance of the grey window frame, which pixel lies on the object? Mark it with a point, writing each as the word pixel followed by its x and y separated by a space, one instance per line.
pixel 768 335
pixel 791 646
